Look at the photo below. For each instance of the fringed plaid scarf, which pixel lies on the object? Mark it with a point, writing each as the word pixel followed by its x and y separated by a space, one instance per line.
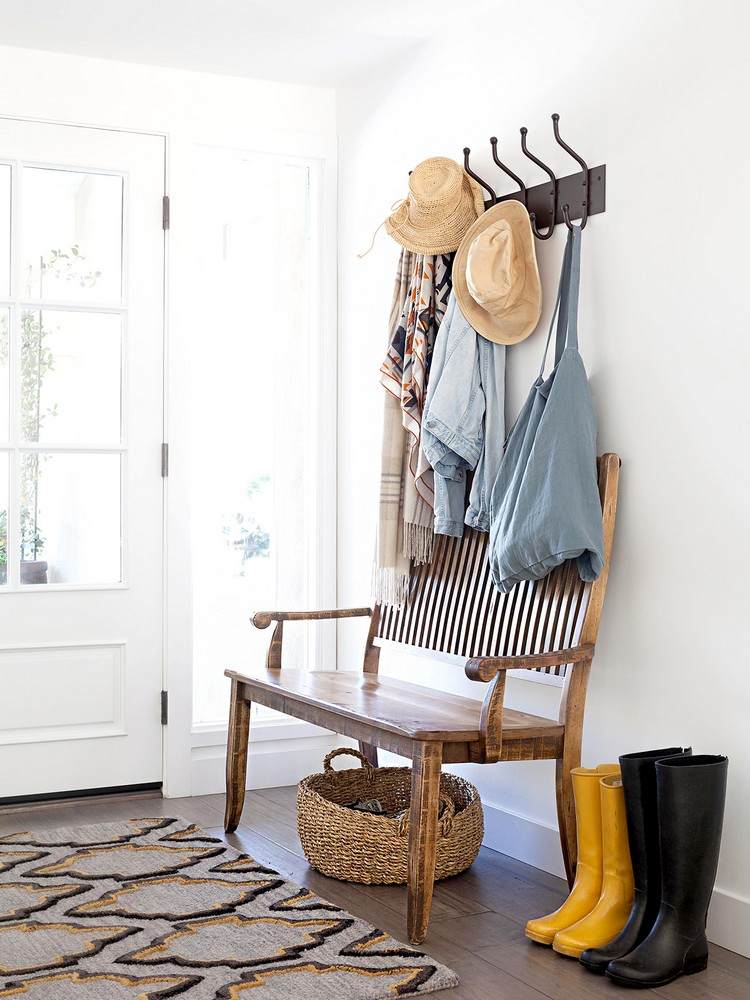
pixel 405 528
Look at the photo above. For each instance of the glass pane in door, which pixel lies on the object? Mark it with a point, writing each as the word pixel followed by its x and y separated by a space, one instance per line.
pixel 5 195
pixel 71 378
pixel 71 236
pixel 70 518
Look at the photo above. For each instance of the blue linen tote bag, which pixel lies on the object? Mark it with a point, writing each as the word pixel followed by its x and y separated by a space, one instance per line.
pixel 545 505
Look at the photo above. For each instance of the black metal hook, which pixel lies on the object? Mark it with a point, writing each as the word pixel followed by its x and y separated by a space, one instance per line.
pixel 584 167
pixel 506 169
pixel 521 186
pixel 477 178
pixel 550 174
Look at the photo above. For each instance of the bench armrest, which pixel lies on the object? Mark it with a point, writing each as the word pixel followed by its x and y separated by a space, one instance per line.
pixel 484 668
pixel 493 668
pixel 262 619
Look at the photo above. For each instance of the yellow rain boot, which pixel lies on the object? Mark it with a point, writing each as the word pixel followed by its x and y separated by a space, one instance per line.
pixel 607 918
pixel 588 881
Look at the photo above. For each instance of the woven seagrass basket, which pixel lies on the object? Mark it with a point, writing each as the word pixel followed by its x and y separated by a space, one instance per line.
pixel 361 847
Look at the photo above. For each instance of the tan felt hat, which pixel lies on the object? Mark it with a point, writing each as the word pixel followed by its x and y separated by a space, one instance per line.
pixel 443 202
pixel 495 275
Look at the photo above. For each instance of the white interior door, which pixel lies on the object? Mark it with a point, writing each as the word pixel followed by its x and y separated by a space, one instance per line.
pixel 81 425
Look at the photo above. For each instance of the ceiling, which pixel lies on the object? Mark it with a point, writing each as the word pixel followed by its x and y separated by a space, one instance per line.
pixel 324 42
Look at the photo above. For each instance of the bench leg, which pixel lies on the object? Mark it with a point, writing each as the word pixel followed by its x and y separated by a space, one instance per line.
pixel 423 822
pixel 370 751
pixel 237 737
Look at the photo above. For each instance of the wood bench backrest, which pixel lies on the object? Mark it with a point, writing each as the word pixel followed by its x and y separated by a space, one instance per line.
pixel 453 606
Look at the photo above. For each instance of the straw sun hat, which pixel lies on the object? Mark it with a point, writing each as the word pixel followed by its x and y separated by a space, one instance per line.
pixel 495 274
pixel 443 202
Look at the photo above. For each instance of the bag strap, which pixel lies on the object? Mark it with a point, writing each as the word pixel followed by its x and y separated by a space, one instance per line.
pixel 566 303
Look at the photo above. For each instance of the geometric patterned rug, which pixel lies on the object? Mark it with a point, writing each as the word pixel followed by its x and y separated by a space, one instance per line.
pixel 154 908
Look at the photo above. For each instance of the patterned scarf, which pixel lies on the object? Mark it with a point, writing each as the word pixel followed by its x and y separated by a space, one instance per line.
pixel 405 528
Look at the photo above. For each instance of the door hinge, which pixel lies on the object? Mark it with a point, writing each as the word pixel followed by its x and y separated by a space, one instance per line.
pixel 164 459
pixel 165 212
pixel 164 707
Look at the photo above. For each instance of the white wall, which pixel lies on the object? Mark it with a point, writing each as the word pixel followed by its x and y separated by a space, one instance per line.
pixel 190 108
pixel 658 92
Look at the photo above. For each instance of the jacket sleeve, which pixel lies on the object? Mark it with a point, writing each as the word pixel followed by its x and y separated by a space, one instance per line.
pixel 452 424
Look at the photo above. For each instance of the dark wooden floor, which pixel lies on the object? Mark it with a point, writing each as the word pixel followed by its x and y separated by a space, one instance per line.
pixel 477 918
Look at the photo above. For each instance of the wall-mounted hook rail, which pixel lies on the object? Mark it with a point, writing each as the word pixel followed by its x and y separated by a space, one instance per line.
pixel 568 193
pixel 561 199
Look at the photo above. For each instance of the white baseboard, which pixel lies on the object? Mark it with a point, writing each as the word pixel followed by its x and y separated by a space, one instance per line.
pixel 729 921
pixel 523 838
pixel 272 761
pixel 538 844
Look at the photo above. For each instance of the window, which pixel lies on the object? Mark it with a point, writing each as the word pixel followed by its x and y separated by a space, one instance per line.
pixel 257 468
pixel 62 321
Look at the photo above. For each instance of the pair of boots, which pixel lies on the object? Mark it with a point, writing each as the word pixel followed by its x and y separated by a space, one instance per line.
pixel 602 894
pixel 674 803
pixel 675 808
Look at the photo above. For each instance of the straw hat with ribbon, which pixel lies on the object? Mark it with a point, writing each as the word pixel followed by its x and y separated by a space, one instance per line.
pixel 443 202
pixel 495 274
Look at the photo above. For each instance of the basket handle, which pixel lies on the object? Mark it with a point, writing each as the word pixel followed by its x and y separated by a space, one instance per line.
pixel 446 820
pixel 366 765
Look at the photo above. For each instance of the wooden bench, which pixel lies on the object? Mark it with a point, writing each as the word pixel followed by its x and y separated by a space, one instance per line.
pixel 453 607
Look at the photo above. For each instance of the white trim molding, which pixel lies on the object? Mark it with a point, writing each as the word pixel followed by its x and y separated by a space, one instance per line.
pixel 729 921
pixel 281 752
pixel 524 838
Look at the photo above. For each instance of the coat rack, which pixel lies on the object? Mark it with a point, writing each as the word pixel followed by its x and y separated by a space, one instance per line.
pixel 560 199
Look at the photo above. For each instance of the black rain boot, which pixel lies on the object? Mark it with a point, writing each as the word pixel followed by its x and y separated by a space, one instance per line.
pixel 690 794
pixel 639 782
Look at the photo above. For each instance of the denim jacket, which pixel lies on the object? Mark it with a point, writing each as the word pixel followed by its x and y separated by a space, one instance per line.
pixel 463 426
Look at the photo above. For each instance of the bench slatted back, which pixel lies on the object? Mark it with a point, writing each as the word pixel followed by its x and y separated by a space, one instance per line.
pixel 453 606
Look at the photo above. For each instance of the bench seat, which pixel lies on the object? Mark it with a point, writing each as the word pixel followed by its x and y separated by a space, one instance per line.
pixel 409 711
